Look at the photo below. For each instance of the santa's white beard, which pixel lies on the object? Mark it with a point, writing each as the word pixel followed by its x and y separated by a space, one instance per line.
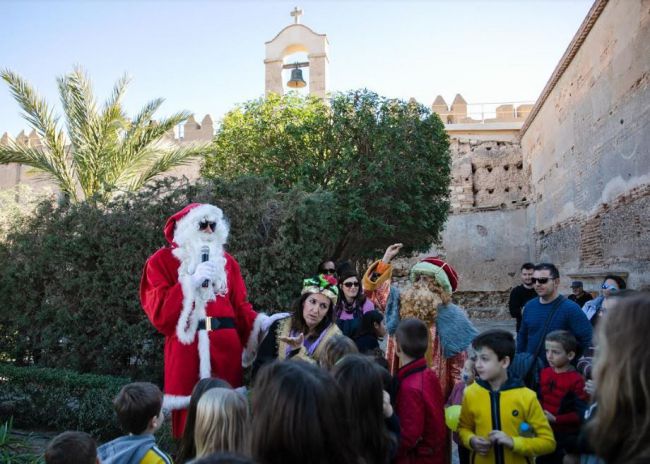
pixel 190 255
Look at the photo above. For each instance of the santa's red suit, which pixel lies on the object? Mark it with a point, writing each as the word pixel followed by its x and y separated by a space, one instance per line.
pixel 186 313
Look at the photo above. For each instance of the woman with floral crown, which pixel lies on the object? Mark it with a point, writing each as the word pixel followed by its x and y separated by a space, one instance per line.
pixel 302 335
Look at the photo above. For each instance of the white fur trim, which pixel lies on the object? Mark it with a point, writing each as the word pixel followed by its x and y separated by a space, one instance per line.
pixel 172 402
pixel 193 310
pixel 260 329
pixel 204 355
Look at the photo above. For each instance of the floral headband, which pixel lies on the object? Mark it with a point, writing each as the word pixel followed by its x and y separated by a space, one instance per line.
pixel 325 284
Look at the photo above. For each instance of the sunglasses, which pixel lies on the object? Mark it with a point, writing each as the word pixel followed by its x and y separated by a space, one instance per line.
pixel 541 280
pixel 205 224
pixel 351 284
pixel 329 271
pixel 611 288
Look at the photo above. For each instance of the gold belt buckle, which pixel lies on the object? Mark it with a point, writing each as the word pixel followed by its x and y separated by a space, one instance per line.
pixel 208 324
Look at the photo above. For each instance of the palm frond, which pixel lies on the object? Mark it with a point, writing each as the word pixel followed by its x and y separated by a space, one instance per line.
pixel 39 160
pixel 170 159
pixel 35 110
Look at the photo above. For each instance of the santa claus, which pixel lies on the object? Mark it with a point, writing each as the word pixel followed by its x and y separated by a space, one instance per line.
pixel 192 292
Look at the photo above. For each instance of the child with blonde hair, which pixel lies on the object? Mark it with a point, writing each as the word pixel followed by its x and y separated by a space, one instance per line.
pixel 222 419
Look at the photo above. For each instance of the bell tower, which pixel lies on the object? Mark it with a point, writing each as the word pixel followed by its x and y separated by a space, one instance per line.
pixel 297 38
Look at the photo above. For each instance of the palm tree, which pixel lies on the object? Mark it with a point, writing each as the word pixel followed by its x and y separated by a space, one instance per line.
pixel 102 152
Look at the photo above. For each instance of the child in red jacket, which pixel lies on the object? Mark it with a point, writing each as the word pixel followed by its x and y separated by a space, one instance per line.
pixel 562 390
pixel 420 406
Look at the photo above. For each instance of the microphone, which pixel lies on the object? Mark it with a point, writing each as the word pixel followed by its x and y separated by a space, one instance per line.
pixel 205 256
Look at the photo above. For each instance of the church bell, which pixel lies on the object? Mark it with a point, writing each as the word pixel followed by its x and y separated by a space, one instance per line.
pixel 296 81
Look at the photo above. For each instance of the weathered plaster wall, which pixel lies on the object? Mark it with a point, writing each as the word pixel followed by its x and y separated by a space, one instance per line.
pixel 588 152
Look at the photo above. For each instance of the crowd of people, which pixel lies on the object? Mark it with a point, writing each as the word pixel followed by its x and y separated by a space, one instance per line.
pixel 363 371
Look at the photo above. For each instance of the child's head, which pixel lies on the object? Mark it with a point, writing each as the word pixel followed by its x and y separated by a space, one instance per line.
pixel 298 415
pixel 362 385
pixel 372 323
pixel 335 348
pixel 494 352
pixel 469 373
pixel 71 448
pixel 620 431
pixel 561 346
pixel 222 458
pixel 221 422
pixel 412 338
pixel 139 407
pixel 186 449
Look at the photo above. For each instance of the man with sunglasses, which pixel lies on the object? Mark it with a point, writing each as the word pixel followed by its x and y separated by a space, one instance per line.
pixel 193 293
pixel 550 311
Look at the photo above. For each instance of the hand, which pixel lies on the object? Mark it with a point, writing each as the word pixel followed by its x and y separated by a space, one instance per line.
pixel 391 252
pixel 590 387
pixel 501 438
pixel 388 408
pixel 206 270
pixel 294 342
pixel 480 445
pixel 549 416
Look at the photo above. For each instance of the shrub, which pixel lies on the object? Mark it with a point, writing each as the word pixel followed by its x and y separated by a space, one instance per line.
pixel 59 399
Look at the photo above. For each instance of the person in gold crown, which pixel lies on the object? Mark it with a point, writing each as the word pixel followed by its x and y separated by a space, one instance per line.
pixel 428 298
pixel 304 333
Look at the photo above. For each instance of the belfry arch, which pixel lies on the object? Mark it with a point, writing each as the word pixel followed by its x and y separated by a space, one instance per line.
pixel 292 39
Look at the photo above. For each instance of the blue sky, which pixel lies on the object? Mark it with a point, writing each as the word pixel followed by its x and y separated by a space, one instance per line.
pixel 207 56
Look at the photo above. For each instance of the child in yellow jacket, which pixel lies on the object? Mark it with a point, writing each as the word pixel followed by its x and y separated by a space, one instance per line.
pixel 495 406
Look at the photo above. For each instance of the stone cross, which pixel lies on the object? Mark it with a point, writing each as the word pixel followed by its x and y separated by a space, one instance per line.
pixel 296 13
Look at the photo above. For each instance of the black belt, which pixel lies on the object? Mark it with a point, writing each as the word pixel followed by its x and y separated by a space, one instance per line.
pixel 214 323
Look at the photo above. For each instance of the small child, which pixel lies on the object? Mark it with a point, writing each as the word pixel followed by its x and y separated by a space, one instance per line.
pixel 563 395
pixel 139 410
pixel 335 348
pixel 456 398
pixel 222 420
pixel 71 448
pixel 420 405
pixel 494 407
pixel 372 329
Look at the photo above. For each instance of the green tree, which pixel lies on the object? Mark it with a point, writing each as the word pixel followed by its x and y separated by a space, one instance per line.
pixel 385 161
pixel 102 151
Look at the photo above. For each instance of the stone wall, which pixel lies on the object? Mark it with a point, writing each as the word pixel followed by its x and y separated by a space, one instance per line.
pixel 487 174
pixel 587 151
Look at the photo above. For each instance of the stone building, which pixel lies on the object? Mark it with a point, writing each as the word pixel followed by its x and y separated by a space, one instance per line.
pixel 565 180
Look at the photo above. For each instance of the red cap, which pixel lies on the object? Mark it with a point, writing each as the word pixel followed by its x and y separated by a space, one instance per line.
pixel 452 275
pixel 170 225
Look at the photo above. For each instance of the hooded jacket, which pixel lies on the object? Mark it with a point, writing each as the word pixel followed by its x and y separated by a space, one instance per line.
pixel 484 410
pixel 132 449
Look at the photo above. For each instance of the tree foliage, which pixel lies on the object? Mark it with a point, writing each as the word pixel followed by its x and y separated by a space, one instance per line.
pixel 386 163
pixel 102 151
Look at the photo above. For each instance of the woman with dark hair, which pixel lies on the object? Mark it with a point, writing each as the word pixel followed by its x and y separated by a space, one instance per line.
pixel 186 448
pixel 610 286
pixel 361 382
pixel 327 267
pixel 303 334
pixel 352 304
pixel 372 329
pixel 298 417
